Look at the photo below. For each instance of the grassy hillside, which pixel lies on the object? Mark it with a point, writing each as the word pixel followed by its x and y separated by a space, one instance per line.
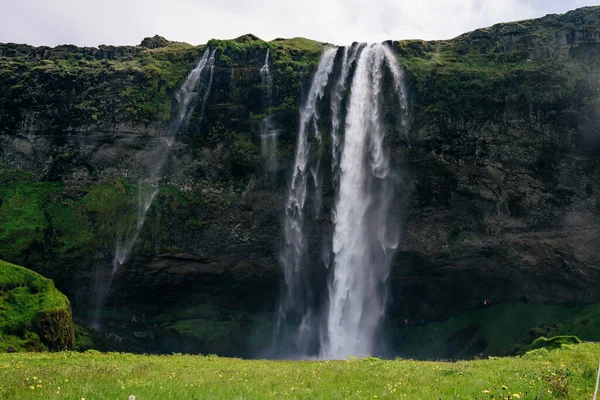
pixel 566 373
pixel 34 315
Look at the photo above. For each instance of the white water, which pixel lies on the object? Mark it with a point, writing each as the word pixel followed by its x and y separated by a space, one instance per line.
pixel 348 59
pixel 268 136
pixel 211 71
pixel 293 255
pixel 187 94
pixel 268 145
pixel 364 240
pixel 267 81
pixel 123 249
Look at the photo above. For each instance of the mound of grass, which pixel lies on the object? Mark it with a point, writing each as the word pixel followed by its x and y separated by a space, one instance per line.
pixel 554 343
pixel 34 315
pixel 567 373
pixel 300 44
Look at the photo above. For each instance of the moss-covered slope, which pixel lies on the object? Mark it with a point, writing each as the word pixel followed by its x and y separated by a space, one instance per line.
pixel 34 315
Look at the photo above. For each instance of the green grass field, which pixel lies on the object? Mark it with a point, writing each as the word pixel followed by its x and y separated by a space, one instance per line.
pixel 567 373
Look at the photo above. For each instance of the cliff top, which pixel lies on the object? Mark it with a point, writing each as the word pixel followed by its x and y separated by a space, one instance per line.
pixel 581 18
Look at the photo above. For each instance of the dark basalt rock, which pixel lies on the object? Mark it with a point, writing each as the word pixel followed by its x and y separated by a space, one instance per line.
pixel 497 174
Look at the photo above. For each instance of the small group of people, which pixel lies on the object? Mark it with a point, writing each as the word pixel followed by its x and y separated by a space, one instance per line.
pixel 414 323
pixel 492 300
pixel 134 318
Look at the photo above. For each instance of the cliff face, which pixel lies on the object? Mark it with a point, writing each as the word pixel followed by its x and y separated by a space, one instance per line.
pixel 503 169
pixel 497 175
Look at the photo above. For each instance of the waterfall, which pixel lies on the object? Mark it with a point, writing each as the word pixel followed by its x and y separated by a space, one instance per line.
pixel 211 71
pixel 364 238
pixel 268 136
pixel 123 248
pixel 185 96
pixel 295 304
pixel 267 82
pixel 148 188
pixel 365 232
pixel 348 59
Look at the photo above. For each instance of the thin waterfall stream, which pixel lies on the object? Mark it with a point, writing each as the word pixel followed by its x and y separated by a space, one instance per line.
pixel 268 135
pixel 148 187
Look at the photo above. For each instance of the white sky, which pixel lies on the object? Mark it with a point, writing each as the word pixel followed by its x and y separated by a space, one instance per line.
pixel 120 22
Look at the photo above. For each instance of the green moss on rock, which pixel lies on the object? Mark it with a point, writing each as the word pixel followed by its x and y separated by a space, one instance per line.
pixel 34 315
pixel 555 342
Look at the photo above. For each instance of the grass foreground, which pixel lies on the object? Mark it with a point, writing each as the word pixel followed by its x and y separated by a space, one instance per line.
pixel 566 373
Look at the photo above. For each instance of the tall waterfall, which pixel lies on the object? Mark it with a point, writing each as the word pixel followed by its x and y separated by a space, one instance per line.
pixel 268 136
pixel 295 304
pixel 365 235
pixel 364 240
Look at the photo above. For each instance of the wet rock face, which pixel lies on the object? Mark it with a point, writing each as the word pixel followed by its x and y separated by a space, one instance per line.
pixel 503 199
pixel 497 180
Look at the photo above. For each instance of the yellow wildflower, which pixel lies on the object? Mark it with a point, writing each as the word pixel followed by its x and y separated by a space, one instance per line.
pixel 516 396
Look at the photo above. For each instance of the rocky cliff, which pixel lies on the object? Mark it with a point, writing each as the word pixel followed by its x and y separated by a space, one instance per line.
pixel 497 176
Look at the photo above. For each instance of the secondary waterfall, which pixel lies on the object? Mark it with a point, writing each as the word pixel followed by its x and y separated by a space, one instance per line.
pixel 186 95
pixel 148 187
pixel 268 136
pixel 295 304
pixel 365 234
pixel 210 65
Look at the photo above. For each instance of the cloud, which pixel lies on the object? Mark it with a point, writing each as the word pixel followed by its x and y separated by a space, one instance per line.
pixel 94 22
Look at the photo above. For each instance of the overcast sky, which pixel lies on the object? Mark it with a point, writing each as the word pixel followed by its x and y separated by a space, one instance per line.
pixel 95 22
